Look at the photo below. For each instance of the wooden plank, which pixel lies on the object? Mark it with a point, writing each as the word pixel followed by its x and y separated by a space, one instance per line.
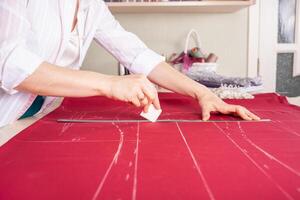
pixel 179 7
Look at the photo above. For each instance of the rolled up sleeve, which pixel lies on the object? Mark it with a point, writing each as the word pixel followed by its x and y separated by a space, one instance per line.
pixel 126 47
pixel 20 64
pixel 17 61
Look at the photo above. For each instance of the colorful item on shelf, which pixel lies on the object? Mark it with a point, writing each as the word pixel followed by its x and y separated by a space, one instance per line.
pixel 194 56
pixel 196 53
pixel 191 63
pixel 189 60
pixel 211 58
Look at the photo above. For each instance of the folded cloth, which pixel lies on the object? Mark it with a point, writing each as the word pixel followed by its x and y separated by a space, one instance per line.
pixel 34 108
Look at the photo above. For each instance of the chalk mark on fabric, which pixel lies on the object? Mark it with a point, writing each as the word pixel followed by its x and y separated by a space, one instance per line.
pixel 245 137
pixel 130 164
pixel 266 166
pixel 127 177
pixel 285 193
pixel 134 190
pixel 286 129
pixel 210 194
pixel 114 161
pixel 66 126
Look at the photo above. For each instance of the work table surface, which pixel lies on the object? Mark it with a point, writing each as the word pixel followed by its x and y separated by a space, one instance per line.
pixel 11 130
pixel 227 159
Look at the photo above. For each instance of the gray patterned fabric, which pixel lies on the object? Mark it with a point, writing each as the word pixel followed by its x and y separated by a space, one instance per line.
pixel 213 80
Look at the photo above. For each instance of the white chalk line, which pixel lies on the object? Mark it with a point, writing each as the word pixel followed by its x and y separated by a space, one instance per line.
pixel 127 177
pixel 134 190
pixel 256 164
pixel 270 156
pixel 210 194
pixel 66 126
pixel 130 164
pixel 289 130
pixel 114 161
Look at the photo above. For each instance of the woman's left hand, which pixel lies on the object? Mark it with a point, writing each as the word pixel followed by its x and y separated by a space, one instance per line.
pixel 168 77
pixel 209 102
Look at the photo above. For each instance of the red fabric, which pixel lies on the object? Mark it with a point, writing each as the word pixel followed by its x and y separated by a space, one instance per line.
pixel 246 160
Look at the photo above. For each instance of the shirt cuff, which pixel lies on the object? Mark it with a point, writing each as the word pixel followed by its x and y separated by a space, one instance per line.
pixel 145 62
pixel 20 64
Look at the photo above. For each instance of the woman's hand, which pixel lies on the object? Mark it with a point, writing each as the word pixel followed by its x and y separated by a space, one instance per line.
pixel 136 89
pixel 167 77
pixel 209 102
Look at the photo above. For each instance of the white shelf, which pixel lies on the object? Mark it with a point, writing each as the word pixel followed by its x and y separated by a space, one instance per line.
pixel 207 6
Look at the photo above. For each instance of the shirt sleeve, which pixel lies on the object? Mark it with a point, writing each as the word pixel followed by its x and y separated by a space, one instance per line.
pixel 126 47
pixel 17 60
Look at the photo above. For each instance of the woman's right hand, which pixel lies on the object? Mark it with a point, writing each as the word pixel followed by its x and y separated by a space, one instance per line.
pixel 136 89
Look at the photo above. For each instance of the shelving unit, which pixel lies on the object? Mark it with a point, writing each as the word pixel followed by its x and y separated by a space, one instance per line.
pixel 205 6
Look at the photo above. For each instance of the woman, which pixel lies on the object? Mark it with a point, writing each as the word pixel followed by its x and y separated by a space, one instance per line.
pixel 43 43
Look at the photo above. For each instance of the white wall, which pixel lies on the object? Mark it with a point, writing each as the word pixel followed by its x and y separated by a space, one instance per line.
pixel 223 34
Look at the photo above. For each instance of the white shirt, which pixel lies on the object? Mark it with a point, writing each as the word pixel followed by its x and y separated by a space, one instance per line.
pixel 72 50
pixel 33 31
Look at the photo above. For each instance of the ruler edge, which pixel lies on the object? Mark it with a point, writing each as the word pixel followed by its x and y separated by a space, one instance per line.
pixel 63 120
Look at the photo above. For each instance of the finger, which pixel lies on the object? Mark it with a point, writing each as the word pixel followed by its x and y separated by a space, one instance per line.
pixel 149 94
pixel 144 102
pixel 224 110
pixel 242 113
pixel 152 96
pixel 253 116
pixel 135 101
pixel 205 113
pixel 146 108
pixel 230 109
pixel 238 111
pixel 156 103
pixel 140 95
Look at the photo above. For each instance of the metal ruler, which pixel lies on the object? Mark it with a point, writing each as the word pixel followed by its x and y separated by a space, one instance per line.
pixel 144 121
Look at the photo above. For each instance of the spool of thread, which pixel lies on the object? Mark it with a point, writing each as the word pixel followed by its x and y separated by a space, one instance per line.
pixel 211 58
